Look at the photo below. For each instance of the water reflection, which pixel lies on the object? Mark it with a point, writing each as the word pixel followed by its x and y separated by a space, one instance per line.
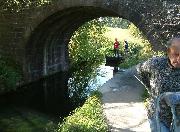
pixel 48 95
pixel 59 94
pixel 85 80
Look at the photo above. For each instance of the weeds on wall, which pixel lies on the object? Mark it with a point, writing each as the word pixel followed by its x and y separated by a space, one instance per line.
pixel 10 74
pixel 18 5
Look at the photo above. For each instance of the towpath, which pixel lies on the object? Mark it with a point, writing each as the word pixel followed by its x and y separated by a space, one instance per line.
pixel 123 105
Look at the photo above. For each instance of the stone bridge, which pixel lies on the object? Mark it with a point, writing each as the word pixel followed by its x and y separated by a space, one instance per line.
pixel 36 36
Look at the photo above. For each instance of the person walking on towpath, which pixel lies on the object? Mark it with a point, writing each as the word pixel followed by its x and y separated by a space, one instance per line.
pixel 162 74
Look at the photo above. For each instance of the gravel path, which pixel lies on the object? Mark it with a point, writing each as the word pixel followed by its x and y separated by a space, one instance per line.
pixel 123 105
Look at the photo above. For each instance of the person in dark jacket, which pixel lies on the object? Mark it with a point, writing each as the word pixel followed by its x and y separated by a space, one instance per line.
pixel 126 47
pixel 162 74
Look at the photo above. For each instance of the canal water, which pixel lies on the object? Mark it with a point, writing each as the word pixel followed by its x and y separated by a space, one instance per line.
pixel 53 97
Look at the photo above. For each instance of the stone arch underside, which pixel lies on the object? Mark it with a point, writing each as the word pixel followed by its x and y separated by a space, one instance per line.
pixel 47 51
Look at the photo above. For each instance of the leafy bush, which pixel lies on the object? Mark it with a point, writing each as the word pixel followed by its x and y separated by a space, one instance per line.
pixel 115 22
pixel 9 74
pixel 17 5
pixel 88 118
pixel 145 95
pixel 88 43
pixel 140 51
pixel 135 31
pixel 80 82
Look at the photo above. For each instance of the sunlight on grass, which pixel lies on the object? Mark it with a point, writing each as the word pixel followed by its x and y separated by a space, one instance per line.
pixel 121 35
pixel 88 118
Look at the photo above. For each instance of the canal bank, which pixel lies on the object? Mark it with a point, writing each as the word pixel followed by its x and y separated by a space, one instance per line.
pixel 41 105
pixel 122 103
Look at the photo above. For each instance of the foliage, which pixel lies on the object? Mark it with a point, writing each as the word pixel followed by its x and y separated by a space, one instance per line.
pixel 139 51
pixel 17 5
pixel 79 84
pixel 115 22
pixel 145 95
pixel 22 120
pixel 135 31
pixel 88 42
pixel 10 74
pixel 88 118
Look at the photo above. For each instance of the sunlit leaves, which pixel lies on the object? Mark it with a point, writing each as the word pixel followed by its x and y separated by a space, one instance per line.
pixel 88 42
pixel 140 51
pixel 88 118
pixel 115 22
pixel 17 5
pixel 135 31
pixel 80 81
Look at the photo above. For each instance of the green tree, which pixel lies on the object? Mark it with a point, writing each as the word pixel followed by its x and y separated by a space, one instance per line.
pixel 88 42
pixel 116 22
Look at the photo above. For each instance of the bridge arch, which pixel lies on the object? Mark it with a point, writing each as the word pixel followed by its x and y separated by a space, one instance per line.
pixel 47 49
pixel 37 37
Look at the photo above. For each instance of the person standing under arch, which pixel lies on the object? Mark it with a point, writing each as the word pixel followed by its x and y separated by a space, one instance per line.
pixel 126 46
pixel 116 48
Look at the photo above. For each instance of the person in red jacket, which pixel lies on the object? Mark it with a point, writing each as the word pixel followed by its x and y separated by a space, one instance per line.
pixel 116 48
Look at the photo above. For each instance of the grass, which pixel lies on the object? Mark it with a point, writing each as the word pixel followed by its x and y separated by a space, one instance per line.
pixel 121 35
pixel 23 120
pixel 88 118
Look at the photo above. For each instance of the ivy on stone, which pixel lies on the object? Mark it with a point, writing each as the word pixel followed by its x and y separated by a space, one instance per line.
pixel 10 74
pixel 17 5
